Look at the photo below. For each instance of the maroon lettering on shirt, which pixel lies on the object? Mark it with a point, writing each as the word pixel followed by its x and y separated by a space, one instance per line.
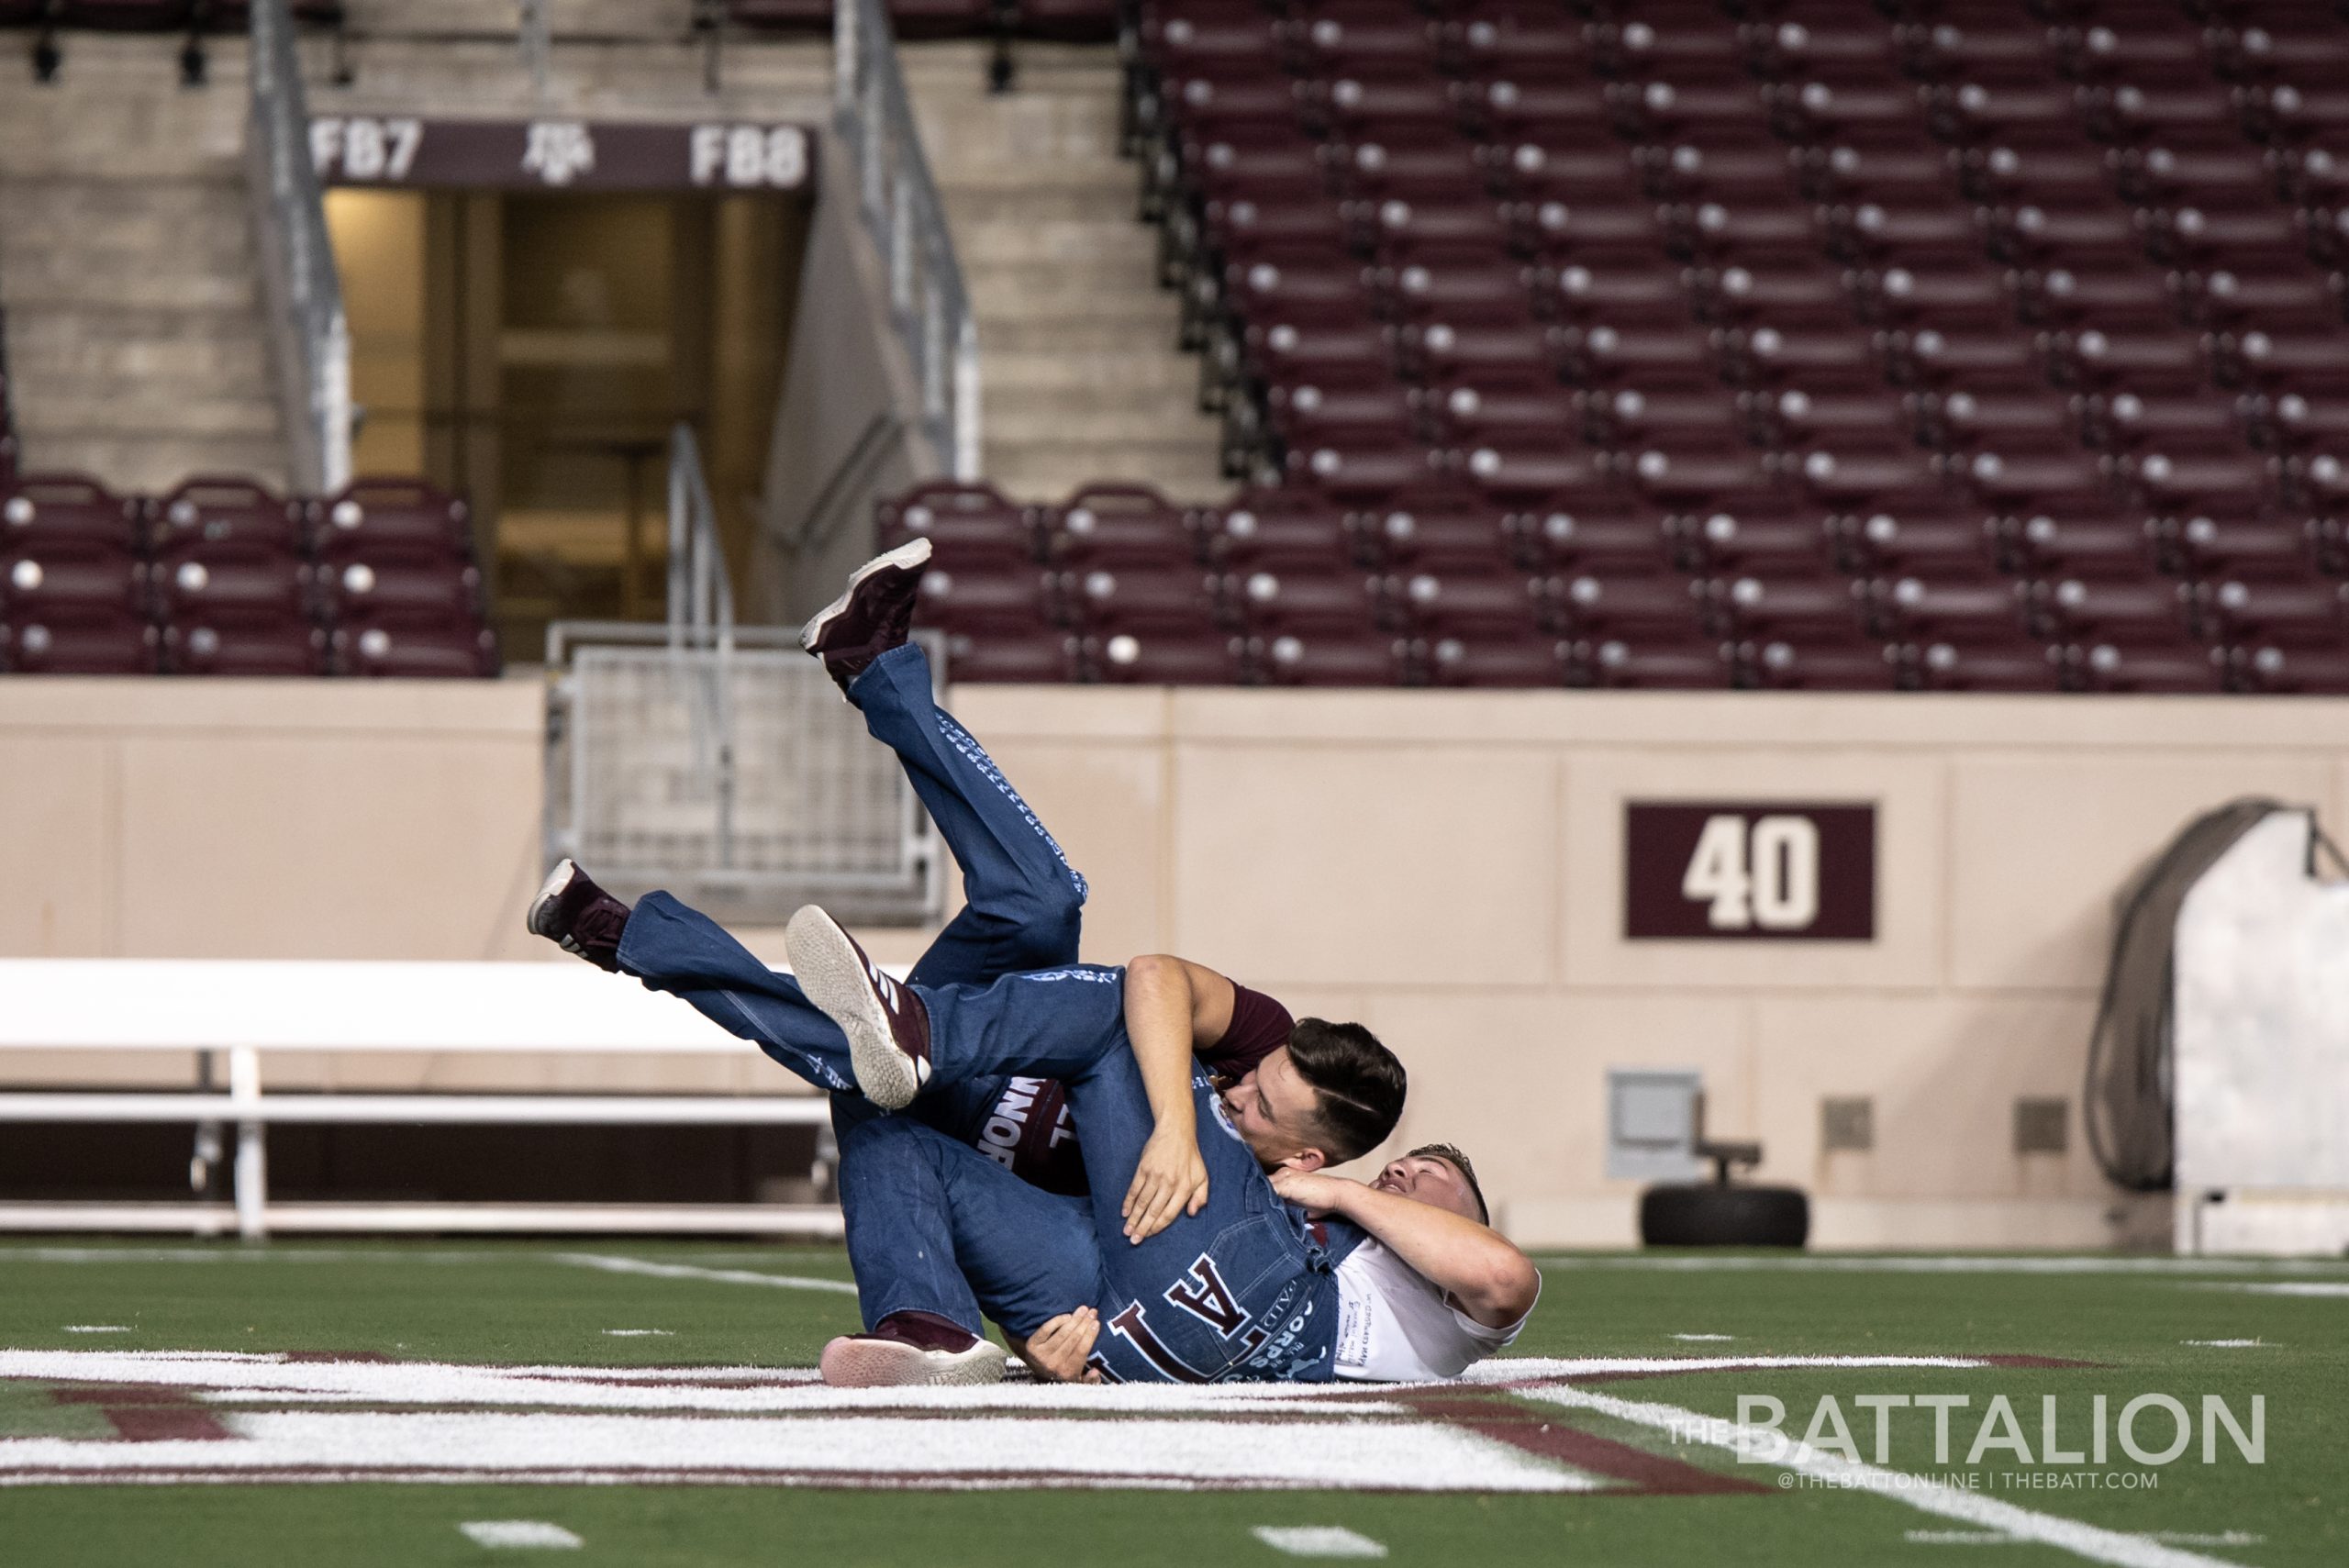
pixel 1030 1129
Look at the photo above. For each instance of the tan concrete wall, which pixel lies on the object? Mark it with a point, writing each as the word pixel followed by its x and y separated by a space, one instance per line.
pixel 1445 867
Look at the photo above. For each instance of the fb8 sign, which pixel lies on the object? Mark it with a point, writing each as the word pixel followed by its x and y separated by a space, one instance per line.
pixel 1749 870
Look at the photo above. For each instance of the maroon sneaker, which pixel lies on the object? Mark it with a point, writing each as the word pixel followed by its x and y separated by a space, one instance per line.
pixel 872 615
pixel 579 917
pixel 886 1025
pixel 911 1349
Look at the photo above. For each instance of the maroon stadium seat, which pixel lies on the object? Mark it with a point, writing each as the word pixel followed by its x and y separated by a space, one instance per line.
pixel 973 524
pixel 51 588
pixel 415 650
pixel 234 591
pixel 1043 654
pixel 116 644
pixel 1466 602
pixel 392 589
pixel 1858 665
pixel 197 646
pixel 2181 667
pixel 1690 661
pixel 373 518
pixel 218 518
pixel 1325 659
pixel 51 515
pixel 1532 658
pixel 1108 524
pixel 1984 663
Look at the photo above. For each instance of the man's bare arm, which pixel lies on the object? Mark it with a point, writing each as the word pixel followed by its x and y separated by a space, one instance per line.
pixel 1174 1009
pixel 1476 1266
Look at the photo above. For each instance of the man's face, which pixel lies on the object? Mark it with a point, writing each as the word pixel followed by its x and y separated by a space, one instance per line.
pixel 1274 1108
pixel 1426 1179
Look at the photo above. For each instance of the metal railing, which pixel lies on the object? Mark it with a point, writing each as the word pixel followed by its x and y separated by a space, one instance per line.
pixel 927 303
pixel 720 762
pixel 298 278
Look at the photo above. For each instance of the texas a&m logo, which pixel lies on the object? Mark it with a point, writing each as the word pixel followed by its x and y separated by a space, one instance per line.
pixel 1201 1293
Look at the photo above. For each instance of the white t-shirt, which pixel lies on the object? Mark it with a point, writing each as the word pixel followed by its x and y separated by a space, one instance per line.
pixel 1394 1325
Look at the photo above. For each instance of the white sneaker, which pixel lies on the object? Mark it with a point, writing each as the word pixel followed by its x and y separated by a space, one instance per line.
pixel 866 1361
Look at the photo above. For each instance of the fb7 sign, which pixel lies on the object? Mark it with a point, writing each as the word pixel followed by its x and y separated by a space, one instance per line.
pixel 1749 870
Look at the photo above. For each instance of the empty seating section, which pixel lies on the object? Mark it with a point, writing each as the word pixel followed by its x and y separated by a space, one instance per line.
pixel 1954 344
pixel 222 577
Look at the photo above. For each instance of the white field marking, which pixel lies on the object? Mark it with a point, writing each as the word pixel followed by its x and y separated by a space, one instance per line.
pixel 2296 1287
pixel 1960 1537
pixel 1513 1369
pixel 1813 1262
pixel 641 1333
pixel 1403 1455
pixel 520 1532
pixel 1921 1491
pixel 95 1328
pixel 1318 1540
pixel 2223 1344
pixel 230 1379
pixel 685 1271
pixel 2193 1538
pixel 1706 1339
pixel 241 1252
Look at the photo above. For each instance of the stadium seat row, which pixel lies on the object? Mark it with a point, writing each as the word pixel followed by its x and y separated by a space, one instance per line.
pixel 221 577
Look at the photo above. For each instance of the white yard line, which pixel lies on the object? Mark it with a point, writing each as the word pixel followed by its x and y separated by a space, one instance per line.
pixel 2223 1344
pixel 2288 1288
pixel 651 1270
pixel 877 1450
pixel 1514 1369
pixel 96 1329
pixel 1706 1339
pixel 641 1333
pixel 1920 1492
pixel 1318 1540
pixel 521 1533
pixel 227 1379
pixel 2000 1538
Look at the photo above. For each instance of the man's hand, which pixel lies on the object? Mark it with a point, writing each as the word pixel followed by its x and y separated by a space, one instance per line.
pixel 1170 1180
pixel 1316 1193
pixel 1058 1350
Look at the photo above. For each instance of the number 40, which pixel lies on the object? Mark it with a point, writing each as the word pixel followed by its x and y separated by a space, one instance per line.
pixel 1766 877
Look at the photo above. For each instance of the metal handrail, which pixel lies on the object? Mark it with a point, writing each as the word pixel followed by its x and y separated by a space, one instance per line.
pixel 297 257
pixel 701 616
pixel 927 303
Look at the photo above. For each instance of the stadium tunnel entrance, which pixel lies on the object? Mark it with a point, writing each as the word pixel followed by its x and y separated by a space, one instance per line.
pixel 532 349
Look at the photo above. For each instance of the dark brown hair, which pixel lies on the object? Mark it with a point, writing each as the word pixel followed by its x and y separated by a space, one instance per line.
pixel 1450 1154
pixel 1358 1085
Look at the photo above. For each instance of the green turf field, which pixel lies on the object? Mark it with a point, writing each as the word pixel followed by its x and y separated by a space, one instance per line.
pixel 225 1374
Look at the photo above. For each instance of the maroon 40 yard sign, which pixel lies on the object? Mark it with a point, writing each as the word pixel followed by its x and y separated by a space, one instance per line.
pixel 1749 870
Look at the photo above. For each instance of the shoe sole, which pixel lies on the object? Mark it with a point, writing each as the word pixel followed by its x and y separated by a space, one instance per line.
pixel 832 975
pixel 549 891
pixel 904 558
pixel 883 1363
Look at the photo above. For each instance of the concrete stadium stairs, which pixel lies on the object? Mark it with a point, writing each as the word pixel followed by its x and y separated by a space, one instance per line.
pixel 1081 377
pixel 136 346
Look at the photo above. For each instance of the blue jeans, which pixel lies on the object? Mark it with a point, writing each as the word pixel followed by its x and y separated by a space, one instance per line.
pixel 1243 1289
pixel 1022 902
pixel 1023 908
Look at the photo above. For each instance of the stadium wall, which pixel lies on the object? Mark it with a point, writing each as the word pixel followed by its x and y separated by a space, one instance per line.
pixel 1447 867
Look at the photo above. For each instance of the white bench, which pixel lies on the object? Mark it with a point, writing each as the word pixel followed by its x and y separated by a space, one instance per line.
pixel 248 1008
